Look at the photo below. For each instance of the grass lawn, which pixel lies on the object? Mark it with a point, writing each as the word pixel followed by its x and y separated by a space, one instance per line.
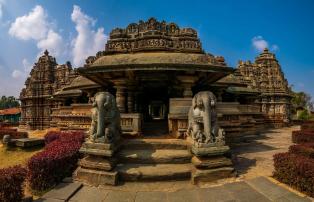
pixel 15 156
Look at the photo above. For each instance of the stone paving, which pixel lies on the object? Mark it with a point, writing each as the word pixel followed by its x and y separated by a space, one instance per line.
pixel 256 189
pixel 253 163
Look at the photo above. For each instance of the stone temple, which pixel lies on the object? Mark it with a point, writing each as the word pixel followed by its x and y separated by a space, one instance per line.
pixel 156 71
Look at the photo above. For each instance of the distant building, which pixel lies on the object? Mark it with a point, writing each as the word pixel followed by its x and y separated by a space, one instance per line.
pixel 11 115
pixel 45 78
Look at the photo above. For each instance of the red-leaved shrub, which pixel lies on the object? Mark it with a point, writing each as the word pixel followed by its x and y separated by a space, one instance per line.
pixel 11 183
pixel 296 171
pixel 13 133
pixel 306 149
pixel 302 136
pixel 51 136
pixel 57 160
pixel 307 125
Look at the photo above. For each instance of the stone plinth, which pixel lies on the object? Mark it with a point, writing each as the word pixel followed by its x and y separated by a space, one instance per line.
pixel 210 163
pixel 97 167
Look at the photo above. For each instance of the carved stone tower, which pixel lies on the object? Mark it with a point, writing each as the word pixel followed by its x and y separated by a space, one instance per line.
pixel 45 78
pixel 266 76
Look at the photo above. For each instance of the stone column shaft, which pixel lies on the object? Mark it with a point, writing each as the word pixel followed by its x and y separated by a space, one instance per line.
pixel 130 101
pixel 120 98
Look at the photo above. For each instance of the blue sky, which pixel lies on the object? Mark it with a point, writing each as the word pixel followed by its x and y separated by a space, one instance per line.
pixel 72 30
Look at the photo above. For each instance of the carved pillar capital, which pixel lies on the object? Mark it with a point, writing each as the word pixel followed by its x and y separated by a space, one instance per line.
pixel 187 83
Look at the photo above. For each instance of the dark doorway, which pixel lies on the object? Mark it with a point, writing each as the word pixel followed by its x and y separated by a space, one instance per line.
pixel 155 102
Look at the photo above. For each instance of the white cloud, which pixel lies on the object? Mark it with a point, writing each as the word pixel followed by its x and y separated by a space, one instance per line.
pixel 2 2
pixel 22 73
pixel 1 10
pixel 259 43
pixel 17 74
pixel 53 42
pixel 35 26
pixel 88 41
pixel 26 65
pixel 274 47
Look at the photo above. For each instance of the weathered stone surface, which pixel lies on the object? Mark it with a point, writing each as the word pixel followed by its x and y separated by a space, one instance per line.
pixel 151 196
pixel 214 194
pixel 273 191
pixel 154 156
pixel 63 191
pixel 211 162
pixel 150 172
pixel 29 142
pixel 243 192
pixel 155 144
pixel 96 177
pixel 99 149
pixel 98 162
pixel 183 196
pixel 92 194
pixel 210 175
pixel 120 196
pixel 209 151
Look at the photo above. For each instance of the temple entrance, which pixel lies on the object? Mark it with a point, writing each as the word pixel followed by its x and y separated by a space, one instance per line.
pixel 155 111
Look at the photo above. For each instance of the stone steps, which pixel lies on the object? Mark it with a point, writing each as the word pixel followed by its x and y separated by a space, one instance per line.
pixel 152 156
pixel 154 160
pixel 141 144
pixel 154 172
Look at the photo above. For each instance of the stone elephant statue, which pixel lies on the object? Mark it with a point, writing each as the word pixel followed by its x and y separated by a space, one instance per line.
pixel 105 126
pixel 203 126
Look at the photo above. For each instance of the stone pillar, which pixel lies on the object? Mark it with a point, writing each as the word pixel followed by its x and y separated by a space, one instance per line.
pixel 219 96
pixel 120 98
pixel 130 102
pixel 187 83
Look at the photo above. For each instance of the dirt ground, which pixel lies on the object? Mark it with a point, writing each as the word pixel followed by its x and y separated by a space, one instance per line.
pixel 255 157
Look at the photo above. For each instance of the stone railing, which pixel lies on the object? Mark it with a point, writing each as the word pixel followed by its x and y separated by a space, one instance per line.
pixel 131 123
pixel 232 116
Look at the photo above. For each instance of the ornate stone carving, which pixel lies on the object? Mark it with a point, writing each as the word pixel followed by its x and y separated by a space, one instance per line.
pixel 153 35
pixel 266 76
pixel 203 127
pixel 46 78
pixel 105 125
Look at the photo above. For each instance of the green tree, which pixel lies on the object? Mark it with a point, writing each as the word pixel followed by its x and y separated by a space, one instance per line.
pixel 8 102
pixel 301 99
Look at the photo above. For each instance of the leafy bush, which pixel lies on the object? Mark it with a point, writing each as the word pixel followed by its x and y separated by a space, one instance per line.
pixel 304 136
pixel 57 160
pixel 304 115
pixel 11 183
pixel 296 171
pixel 306 150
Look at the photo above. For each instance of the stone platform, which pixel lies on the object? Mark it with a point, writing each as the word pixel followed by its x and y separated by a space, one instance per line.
pixel 211 163
pixel 27 142
pixel 97 167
